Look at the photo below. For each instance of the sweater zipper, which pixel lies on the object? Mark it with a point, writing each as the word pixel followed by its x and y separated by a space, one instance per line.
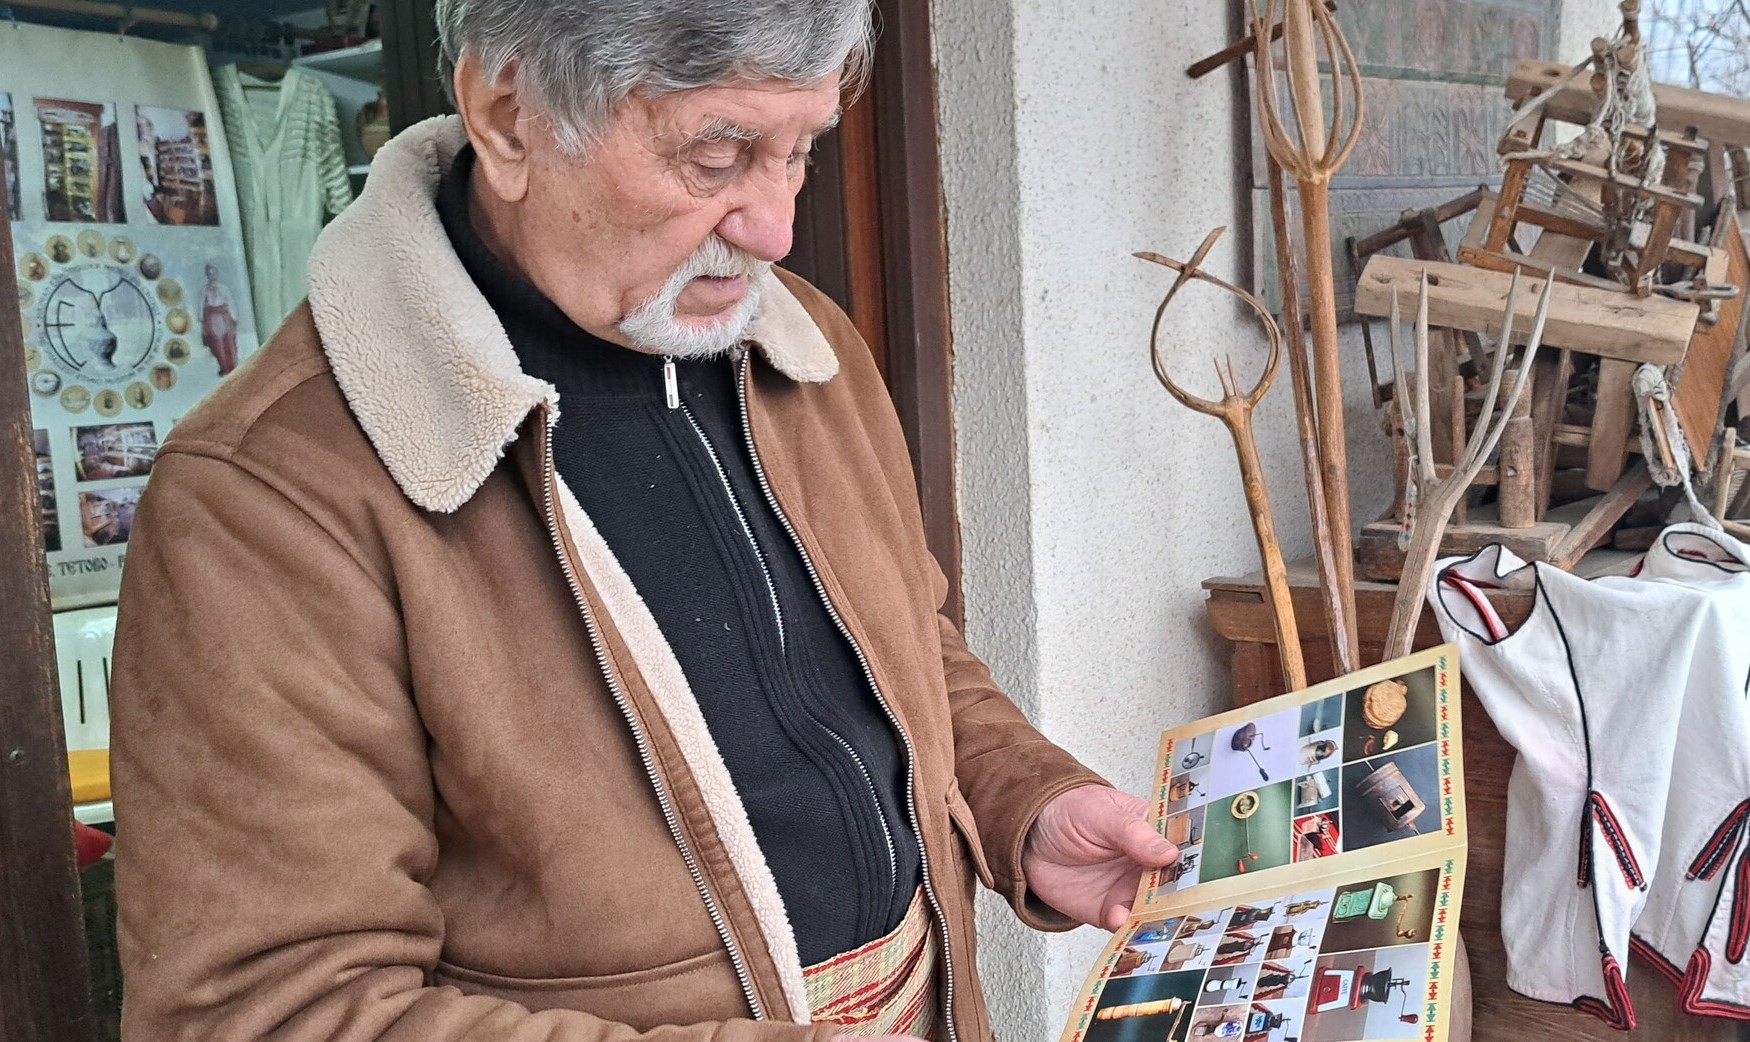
pixel 759 469
pixel 740 515
pixel 639 738
pixel 671 391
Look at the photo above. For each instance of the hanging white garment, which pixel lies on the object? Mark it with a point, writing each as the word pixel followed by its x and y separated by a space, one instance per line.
pixel 1696 925
pixel 1582 691
pixel 291 177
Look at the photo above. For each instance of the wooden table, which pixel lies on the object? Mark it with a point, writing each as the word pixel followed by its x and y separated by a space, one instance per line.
pixel 1237 610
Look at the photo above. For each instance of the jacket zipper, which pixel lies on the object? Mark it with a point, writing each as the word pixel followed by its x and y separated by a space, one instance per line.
pixel 759 469
pixel 741 516
pixel 638 735
pixel 672 390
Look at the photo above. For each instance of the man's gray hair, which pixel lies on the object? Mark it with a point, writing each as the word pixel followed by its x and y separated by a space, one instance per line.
pixel 577 60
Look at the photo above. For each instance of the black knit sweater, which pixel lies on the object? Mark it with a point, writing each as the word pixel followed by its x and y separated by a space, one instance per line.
pixel 675 495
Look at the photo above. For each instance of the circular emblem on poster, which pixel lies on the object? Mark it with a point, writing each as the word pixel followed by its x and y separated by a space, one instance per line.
pixel 98 323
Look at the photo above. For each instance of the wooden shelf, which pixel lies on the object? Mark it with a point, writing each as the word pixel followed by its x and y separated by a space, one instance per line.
pixel 363 62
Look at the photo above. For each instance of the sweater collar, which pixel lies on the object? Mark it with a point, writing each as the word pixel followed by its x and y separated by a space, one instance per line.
pixel 422 357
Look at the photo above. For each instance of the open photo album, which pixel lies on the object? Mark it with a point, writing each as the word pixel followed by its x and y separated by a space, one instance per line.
pixel 1316 895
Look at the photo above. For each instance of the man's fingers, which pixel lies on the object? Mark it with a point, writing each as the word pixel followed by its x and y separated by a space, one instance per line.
pixel 1145 846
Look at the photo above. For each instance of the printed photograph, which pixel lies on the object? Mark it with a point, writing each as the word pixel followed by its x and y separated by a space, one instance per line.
pixel 1280 979
pixel 1273 1022
pixel 1391 797
pixel 1225 985
pixel 1316 792
pixel 82 173
pixel 114 450
pixel 1248 832
pixel 1324 715
pixel 1218 1022
pixel 107 518
pixel 1189 755
pixel 1186 829
pixel 1391 714
pixel 1320 749
pixel 1190 953
pixel 178 165
pixel 1155 1008
pixel 1254 753
pixel 1317 835
pixel 1210 924
pixel 1371 995
pixel 9 156
pixel 1241 945
pixel 1382 912
pixel 1188 790
pixel 45 490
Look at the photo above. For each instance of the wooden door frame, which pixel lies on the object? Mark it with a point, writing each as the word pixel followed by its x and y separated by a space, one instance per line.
pixel 45 985
pixel 920 345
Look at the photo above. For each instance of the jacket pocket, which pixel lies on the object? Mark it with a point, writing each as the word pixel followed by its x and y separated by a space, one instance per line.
pixel 699 988
pixel 961 815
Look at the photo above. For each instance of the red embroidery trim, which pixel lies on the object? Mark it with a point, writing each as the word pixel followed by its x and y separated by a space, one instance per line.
pixel 1618 841
pixel 1739 935
pixel 1694 980
pixel 1707 864
pixel 1619 1012
pixel 1484 609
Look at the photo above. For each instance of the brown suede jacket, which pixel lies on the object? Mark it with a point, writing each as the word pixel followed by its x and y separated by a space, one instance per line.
pixel 400 753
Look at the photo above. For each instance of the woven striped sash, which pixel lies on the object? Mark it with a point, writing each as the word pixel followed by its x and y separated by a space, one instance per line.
pixel 886 987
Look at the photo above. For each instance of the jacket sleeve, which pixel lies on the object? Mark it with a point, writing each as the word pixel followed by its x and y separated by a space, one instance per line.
pixel 273 792
pixel 1007 772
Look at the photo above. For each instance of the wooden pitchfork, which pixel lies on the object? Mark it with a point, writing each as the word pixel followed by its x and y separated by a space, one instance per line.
pixel 1312 154
pixel 1235 411
pixel 1435 496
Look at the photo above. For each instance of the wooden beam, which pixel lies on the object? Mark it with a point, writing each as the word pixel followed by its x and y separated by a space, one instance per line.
pixel 1716 117
pixel 45 987
pixel 1596 321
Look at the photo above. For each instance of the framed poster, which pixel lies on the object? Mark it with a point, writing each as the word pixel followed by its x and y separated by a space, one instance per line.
pixel 130 274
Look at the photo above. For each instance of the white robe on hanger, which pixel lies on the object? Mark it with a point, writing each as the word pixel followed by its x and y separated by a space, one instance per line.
pixel 287 159
pixel 1696 926
pixel 1583 691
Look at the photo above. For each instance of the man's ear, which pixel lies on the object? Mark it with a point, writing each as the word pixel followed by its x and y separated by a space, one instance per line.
pixel 492 116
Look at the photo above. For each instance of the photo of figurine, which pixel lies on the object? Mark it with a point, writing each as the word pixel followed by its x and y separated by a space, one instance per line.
pixel 219 321
pixel 114 450
pixel 9 156
pixel 107 518
pixel 45 491
pixel 82 174
pixel 178 165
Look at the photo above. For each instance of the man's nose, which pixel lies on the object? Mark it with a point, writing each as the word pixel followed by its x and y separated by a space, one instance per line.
pixel 764 225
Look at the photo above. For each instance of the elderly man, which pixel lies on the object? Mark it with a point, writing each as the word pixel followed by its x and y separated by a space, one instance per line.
pixel 537 639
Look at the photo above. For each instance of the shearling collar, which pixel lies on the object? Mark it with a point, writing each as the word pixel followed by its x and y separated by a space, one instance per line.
pixel 422 359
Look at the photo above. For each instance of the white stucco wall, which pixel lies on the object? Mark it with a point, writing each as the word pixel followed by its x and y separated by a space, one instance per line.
pixel 1092 505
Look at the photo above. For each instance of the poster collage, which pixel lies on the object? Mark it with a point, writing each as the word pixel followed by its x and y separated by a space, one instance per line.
pixel 130 278
pixel 1348 771
pixel 1320 875
pixel 1343 963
